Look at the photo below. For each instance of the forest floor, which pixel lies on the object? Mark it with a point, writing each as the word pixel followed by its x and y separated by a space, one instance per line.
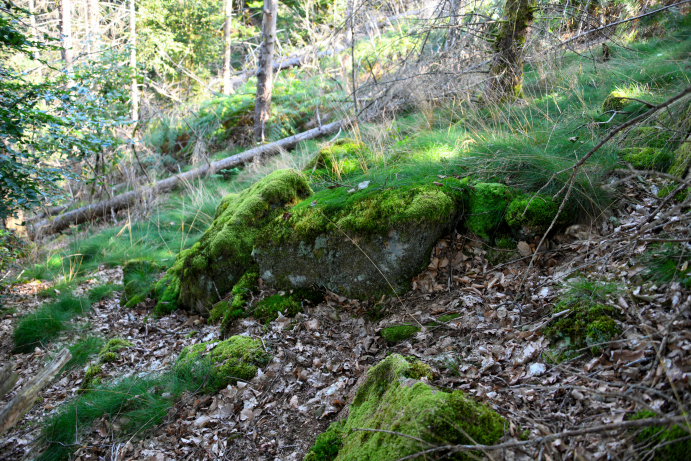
pixel 493 349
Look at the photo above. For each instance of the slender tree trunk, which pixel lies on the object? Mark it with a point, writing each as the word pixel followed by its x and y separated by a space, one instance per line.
pixel 34 30
pixel 93 21
pixel 265 74
pixel 134 95
pixel 66 30
pixel 227 88
pixel 506 67
pixel 453 11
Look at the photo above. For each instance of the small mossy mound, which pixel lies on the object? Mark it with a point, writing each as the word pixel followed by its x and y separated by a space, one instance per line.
pixel 650 136
pixel 91 378
pixel 167 290
pixel 389 401
pixel 446 317
pixel 647 158
pixel 679 197
pixel 399 333
pixel 214 265
pixel 109 357
pixel 418 370
pixel 682 158
pixel 139 278
pixel 115 345
pixel 531 214
pixel 236 358
pixel 487 205
pixel 674 441
pixel 615 101
pixel 343 157
pixel 586 327
pixel 268 308
pixel 234 307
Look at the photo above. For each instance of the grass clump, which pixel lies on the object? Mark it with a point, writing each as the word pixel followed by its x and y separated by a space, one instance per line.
pixel 389 401
pixel 137 403
pixel 268 308
pixel 83 350
pixel 139 277
pixel 236 358
pixel 101 292
pixel 669 263
pixel 673 441
pixel 399 333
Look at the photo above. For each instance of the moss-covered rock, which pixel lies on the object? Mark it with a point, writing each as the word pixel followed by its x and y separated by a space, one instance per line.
pixel 91 377
pixel 587 326
pixel 682 158
pixel 615 101
pixel 343 157
pixel 399 333
pixel 487 205
pixel 114 345
pixel 268 308
pixel 234 307
pixel 362 244
pixel 647 158
pixel 390 401
pixel 236 358
pixel 213 265
pixel 139 278
pixel 530 215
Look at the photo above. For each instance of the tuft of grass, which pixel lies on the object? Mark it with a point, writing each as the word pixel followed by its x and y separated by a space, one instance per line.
pixel 583 289
pixel 83 350
pixel 139 402
pixel 101 292
pixel 668 263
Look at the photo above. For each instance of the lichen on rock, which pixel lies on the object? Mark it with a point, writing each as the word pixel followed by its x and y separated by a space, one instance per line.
pixel 390 401
pixel 236 358
pixel 213 265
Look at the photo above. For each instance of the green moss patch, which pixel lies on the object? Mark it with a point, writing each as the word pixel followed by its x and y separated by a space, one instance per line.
pixel 614 101
pixel 399 333
pixel 682 158
pixel 234 308
pixel 268 308
pixel 586 326
pixel 344 157
pixel 487 205
pixel 673 441
pixel 236 358
pixel 214 265
pixel 535 213
pixel 115 345
pixel 390 401
pixel 139 278
pixel 647 158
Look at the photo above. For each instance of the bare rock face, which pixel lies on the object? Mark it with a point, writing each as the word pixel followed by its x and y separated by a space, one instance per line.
pixel 357 267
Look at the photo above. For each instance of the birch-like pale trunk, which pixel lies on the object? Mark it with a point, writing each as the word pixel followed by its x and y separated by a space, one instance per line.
pixel 227 88
pixel 134 94
pixel 93 29
pixel 265 74
pixel 65 12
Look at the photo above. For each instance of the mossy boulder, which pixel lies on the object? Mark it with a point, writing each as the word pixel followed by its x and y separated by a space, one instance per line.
pixel 615 101
pixel 362 244
pixel 234 307
pixel 647 158
pixel 529 215
pixel 138 277
pixel 487 205
pixel 213 265
pixel 390 400
pixel 342 157
pixel 236 358
pixel 682 158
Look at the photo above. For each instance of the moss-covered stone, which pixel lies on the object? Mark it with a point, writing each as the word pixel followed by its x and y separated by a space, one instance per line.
pixel 214 265
pixel 487 204
pixel 234 308
pixel 614 101
pixel 268 308
pixel 647 158
pixel 91 377
pixel 138 277
pixel 399 333
pixel 673 442
pixel 236 358
pixel 109 357
pixel 682 158
pixel 529 216
pixel 650 136
pixel 586 327
pixel 362 244
pixel 389 401
pixel 418 369
pixel 343 157
pixel 115 345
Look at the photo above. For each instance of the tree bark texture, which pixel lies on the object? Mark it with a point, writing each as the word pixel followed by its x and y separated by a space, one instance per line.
pixel 100 209
pixel 26 397
pixel 227 88
pixel 66 30
pixel 265 83
pixel 134 94
pixel 506 68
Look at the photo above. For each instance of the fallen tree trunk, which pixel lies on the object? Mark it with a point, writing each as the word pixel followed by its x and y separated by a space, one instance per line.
pixel 7 379
pixel 26 397
pixel 96 210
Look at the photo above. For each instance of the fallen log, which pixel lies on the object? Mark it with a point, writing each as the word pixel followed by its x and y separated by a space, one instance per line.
pixel 26 397
pixel 96 210
pixel 7 379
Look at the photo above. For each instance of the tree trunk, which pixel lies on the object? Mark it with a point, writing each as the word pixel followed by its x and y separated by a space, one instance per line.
pixel 506 67
pixel 134 96
pixel 227 88
pixel 265 78
pixel 34 30
pixel 80 215
pixel 26 397
pixel 453 21
pixel 66 30
pixel 93 21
